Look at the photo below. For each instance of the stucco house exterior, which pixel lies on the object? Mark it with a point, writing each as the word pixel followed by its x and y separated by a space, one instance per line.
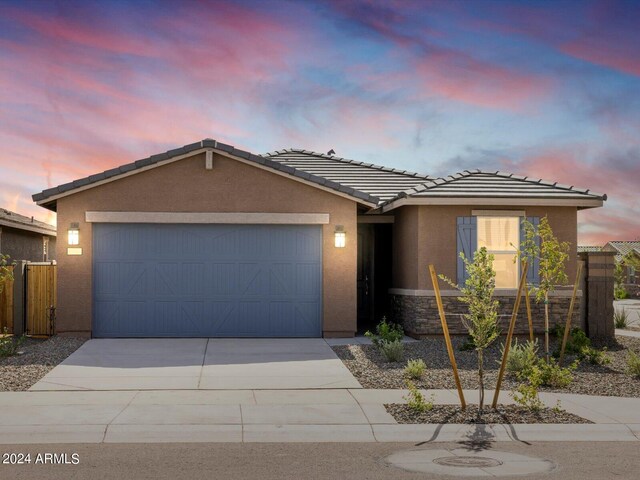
pixel 209 240
pixel 24 238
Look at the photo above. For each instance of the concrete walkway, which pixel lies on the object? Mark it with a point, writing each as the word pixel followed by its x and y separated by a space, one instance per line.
pixel 200 364
pixel 316 415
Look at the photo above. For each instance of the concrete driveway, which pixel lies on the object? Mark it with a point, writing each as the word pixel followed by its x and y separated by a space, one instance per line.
pixel 200 364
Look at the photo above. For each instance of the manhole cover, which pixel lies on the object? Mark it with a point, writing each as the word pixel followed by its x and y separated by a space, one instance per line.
pixel 471 462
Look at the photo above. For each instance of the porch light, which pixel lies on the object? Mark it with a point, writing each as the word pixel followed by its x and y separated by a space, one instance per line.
pixel 340 237
pixel 73 234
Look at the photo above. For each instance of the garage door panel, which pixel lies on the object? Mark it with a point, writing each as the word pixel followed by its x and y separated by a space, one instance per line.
pixel 207 280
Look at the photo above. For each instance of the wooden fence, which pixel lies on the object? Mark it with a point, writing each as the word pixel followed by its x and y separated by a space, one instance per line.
pixel 40 298
pixel 6 307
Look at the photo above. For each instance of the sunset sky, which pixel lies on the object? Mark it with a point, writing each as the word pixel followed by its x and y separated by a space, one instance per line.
pixel 547 89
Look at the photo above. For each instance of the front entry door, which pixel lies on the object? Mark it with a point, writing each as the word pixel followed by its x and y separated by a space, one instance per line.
pixel 365 277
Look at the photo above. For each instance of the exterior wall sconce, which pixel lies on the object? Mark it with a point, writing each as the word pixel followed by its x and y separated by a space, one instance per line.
pixel 73 234
pixel 340 237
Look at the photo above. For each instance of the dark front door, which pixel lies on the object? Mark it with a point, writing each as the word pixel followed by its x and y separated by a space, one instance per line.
pixel 365 276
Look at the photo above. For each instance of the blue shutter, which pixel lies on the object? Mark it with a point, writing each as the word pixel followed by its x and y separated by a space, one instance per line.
pixel 467 243
pixel 533 274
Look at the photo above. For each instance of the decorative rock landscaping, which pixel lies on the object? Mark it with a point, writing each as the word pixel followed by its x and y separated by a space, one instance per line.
pixel 367 364
pixel 503 414
pixel 36 357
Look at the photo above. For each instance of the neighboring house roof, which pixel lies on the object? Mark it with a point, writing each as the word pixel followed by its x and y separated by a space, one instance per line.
pixel 371 185
pixel 589 248
pixel 21 222
pixel 481 185
pixel 623 248
pixel 383 183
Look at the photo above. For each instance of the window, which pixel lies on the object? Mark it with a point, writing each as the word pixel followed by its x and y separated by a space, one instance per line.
pixel 500 236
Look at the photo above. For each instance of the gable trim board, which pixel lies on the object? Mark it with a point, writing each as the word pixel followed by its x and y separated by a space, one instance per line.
pixel 496 201
pixel 209 217
pixel 47 197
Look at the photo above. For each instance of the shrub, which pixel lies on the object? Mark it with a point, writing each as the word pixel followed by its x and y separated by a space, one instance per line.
pixel 633 364
pixel 9 345
pixel 385 331
pixel 526 394
pixel 621 318
pixel 468 344
pixel 576 341
pixel 595 356
pixel 415 369
pixel 416 401
pixel 553 375
pixel 620 293
pixel 393 351
pixel 521 358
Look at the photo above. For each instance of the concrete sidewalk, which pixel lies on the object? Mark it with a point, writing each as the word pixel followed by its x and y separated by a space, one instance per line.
pixel 317 415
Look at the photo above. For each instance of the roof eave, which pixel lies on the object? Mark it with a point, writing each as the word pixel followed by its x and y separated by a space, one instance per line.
pixel 494 201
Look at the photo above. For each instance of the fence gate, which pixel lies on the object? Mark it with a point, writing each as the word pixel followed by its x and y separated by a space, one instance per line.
pixel 6 307
pixel 40 298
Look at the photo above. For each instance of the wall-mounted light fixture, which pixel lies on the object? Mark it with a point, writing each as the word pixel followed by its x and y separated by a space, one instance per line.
pixel 340 237
pixel 73 234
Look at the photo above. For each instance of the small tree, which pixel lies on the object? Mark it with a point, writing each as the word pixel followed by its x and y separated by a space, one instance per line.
pixel 482 319
pixel 552 256
pixel 6 273
pixel 619 290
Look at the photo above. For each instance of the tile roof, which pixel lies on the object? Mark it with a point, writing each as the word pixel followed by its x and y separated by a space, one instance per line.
pixel 373 185
pixel 497 184
pixel 383 183
pixel 589 248
pixel 15 220
pixel 625 247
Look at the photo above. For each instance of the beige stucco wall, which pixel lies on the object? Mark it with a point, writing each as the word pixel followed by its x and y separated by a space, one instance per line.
pixel 185 186
pixel 427 234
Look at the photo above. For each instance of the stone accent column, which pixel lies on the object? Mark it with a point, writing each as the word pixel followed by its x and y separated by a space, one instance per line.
pixel 599 294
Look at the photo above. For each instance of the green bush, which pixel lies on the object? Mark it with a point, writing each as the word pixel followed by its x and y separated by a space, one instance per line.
pixel 594 356
pixel 385 331
pixel 576 341
pixel 633 364
pixel 415 369
pixel 468 345
pixel 521 358
pixel 620 293
pixel 9 345
pixel 416 401
pixel 526 394
pixel 621 318
pixel 393 351
pixel 555 376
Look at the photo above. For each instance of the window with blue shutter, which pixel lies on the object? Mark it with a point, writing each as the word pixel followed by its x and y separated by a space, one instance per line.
pixel 467 243
pixel 533 274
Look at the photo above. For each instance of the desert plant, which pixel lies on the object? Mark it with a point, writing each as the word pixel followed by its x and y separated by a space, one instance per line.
pixel 6 273
pixel 393 351
pixel 467 345
pixel 577 340
pixel 555 376
pixel 526 394
pixel 595 356
pixel 620 292
pixel 482 318
pixel 9 345
pixel 521 358
pixel 633 364
pixel 415 369
pixel 552 256
pixel 621 318
pixel 385 331
pixel 416 401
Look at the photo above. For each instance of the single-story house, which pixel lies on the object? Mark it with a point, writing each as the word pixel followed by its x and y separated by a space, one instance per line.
pixel 24 238
pixel 625 250
pixel 209 240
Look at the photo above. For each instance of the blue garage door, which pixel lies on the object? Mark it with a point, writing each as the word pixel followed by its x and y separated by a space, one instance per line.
pixel 153 280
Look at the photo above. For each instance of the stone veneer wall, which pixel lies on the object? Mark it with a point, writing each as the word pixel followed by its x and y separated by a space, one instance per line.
pixel 419 317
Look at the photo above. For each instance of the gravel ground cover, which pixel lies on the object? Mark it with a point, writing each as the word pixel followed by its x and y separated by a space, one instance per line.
pixel 367 364
pixel 37 357
pixel 503 414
